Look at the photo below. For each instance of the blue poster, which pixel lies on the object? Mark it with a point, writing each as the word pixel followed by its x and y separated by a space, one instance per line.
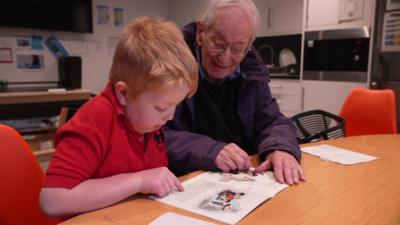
pixel 37 42
pixel 55 47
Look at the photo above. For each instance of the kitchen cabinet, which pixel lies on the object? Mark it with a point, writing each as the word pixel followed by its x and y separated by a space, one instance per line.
pixel 288 94
pixel 183 12
pixel 279 17
pixel 337 14
pixel 327 95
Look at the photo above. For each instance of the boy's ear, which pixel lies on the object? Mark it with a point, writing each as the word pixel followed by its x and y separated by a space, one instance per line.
pixel 200 32
pixel 121 90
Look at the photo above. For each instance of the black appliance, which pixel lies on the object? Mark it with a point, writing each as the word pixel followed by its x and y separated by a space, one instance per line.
pixel 70 72
pixel 272 48
pixel 62 15
pixel 337 55
pixel 385 68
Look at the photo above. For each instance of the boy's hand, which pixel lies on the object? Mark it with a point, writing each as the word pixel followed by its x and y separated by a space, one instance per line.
pixel 159 181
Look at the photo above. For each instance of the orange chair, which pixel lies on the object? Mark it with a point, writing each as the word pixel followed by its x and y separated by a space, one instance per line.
pixel 21 180
pixel 370 112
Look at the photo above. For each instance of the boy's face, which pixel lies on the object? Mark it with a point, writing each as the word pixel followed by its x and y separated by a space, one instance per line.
pixel 152 109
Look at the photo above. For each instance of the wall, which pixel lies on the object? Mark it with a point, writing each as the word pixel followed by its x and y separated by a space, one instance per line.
pixel 183 12
pixel 96 49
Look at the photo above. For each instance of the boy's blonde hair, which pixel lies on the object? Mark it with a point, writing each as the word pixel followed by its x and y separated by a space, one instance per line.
pixel 152 55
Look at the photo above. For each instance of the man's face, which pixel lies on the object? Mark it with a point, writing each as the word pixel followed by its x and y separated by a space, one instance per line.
pixel 152 109
pixel 225 43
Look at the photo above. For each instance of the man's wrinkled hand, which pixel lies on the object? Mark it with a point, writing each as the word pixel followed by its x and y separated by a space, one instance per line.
pixel 286 168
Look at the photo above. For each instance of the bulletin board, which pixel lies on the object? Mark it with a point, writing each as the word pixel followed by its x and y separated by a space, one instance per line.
pixel 391 32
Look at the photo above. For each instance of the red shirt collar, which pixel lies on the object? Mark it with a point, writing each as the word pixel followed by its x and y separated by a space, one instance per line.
pixel 109 93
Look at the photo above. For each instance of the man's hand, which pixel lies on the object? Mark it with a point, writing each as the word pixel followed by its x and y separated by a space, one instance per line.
pixel 159 181
pixel 286 168
pixel 232 157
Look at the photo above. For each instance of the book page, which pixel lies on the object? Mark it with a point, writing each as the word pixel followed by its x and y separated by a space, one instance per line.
pixel 223 196
pixel 261 183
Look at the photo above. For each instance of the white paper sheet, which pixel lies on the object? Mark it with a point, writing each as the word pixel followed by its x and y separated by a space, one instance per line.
pixel 336 154
pixel 171 218
pixel 79 47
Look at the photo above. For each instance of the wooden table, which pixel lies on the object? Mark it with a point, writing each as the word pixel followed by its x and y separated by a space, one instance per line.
pixel 366 193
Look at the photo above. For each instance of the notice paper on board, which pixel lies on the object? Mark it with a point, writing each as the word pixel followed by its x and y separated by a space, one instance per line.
pixel 55 47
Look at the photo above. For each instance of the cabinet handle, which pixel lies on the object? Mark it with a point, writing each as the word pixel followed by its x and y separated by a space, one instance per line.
pixel 307 11
pixel 269 17
pixel 374 84
pixel 302 99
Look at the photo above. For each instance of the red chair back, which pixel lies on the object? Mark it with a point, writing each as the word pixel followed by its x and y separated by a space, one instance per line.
pixel 370 112
pixel 21 181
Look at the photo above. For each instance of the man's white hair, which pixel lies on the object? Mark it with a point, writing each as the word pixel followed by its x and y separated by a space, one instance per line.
pixel 247 6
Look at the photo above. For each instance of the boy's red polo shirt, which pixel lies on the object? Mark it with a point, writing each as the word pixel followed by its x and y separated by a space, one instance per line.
pixel 99 141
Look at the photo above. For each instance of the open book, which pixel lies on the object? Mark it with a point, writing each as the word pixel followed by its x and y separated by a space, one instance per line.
pixel 226 197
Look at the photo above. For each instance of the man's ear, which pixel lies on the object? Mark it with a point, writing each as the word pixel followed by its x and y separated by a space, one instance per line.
pixel 200 32
pixel 121 90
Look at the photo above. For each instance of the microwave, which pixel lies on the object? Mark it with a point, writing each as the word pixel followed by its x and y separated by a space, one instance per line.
pixel 337 55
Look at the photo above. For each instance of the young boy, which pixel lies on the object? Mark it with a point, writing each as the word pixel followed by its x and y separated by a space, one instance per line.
pixel 113 147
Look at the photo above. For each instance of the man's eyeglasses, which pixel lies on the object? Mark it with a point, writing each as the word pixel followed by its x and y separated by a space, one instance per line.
pixel 218 46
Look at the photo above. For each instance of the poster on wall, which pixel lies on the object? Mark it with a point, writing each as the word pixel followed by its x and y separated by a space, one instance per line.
pixel 33 42
pixel 391 32
pixel 55 47
pixel 37 42
pixel 23 43
pixel 103 15
pixel 30 61
pixel 118 17
pixel 6 55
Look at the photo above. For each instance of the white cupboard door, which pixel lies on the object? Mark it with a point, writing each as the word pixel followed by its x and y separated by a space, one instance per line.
pixel 322 12
pixel 285 16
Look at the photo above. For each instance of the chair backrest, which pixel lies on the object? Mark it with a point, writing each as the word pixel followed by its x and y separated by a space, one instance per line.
pixel 317 125
pixel 21 180
pixel 370 112
pixel 66 113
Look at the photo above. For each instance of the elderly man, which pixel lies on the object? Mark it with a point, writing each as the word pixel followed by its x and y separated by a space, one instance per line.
pixel 232 115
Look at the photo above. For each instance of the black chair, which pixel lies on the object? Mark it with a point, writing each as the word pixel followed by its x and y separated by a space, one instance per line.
pixel 315 125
